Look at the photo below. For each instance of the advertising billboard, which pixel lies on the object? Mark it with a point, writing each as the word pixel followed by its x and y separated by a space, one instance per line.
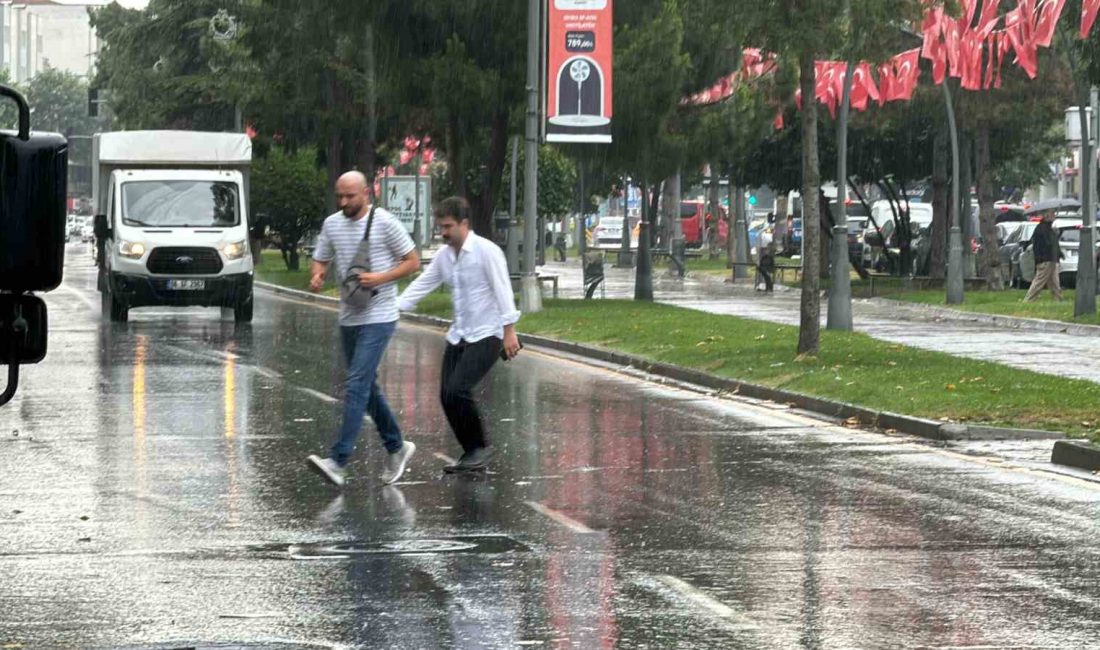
pixel 578 75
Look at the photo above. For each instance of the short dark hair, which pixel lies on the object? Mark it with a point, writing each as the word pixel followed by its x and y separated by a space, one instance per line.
pixel 453 207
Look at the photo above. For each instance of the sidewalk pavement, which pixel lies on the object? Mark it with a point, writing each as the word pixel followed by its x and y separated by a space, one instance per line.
pixel 1050 352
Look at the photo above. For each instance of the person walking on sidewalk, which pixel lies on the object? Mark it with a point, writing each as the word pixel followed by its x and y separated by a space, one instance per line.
pixel 1044 244
pixel 371 251
pixel 483 329
pixel 766 268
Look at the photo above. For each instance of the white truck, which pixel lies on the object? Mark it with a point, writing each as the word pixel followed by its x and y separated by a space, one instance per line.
pixel 171 221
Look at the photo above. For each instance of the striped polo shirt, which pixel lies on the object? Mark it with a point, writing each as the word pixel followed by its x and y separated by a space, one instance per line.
pixel 389 242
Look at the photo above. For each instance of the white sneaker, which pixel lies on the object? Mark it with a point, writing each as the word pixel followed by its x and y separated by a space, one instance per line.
pixel 394 465
pixel 328 469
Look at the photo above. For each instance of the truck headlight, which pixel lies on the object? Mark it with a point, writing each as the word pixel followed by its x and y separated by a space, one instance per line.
pixel 236 250
pixel 132 250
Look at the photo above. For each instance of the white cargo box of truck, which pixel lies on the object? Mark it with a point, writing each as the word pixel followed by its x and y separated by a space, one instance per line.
pixel 172 220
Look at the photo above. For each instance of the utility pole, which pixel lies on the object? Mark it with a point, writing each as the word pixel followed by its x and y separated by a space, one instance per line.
pixel 954 240
pixel 530 297
pixel 1085 302
pixel 840 294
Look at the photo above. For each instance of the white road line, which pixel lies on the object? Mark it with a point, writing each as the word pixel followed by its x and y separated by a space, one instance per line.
pixel 444 457
pixel 81 297
pixel 706 602
pixel 561 518
pixel 318 394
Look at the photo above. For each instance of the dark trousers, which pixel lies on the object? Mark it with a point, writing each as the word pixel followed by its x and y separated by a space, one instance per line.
pixel 464 365
pixel 766 276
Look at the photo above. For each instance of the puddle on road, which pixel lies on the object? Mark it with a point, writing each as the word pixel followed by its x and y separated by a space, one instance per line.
pixel 420 546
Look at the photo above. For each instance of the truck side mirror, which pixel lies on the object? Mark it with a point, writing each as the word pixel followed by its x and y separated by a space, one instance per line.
pixel 32 205
pixel 34 170
pixel 100 227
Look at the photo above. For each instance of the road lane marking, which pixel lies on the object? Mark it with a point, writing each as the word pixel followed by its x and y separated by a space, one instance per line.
pixel 561 518
pixel 81 297
pixel 444 457
pixel 318 394
pixel 706 602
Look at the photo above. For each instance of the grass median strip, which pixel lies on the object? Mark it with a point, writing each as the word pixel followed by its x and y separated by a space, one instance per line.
pixel 851 367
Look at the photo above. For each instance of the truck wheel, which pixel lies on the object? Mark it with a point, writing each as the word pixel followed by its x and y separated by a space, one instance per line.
pixel 242 313
pixel 119 312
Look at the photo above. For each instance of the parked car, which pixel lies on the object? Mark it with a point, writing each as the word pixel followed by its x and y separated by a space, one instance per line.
pixel 920 216
pixel 1069 239
pixel 608 232
pixel 694 220
pixel 1014 245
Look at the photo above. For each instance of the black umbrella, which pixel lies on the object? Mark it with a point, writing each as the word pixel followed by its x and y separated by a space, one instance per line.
pixel 1050 205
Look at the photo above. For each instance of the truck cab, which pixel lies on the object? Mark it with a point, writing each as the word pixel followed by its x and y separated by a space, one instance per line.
pixel 172 222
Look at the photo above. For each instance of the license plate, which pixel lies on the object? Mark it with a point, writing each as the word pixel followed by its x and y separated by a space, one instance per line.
pixel 187 285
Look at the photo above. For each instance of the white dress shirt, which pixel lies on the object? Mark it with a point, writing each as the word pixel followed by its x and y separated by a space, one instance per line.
pixel 480 289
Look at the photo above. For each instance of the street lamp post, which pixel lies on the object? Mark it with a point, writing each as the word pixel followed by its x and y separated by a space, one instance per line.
pixel 530 297
pixel 954 249
pixel 1085 301
pixel 840 293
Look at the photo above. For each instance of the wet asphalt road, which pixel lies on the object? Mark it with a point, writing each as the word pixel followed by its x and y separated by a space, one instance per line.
pixel 154 494
pixel 1065 355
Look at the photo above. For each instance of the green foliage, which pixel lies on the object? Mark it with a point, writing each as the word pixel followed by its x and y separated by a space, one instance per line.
pixel 289 190
pixel 164 67
pixel 557 184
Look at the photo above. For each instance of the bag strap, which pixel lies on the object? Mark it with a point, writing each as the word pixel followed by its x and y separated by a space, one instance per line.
pixel 370 222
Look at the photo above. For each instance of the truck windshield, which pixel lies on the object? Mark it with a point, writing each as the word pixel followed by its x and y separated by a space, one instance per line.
pixel 180 203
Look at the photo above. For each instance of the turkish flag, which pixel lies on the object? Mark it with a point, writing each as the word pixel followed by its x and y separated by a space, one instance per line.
pixel 906 75
pixel 863 87
pixel 1018 33
pixel 952 42
pixel 777 123
pixel 988 18
pixel 1049 14
pixel 886 81
pixel 932 29
pixel 970 55
pixel 1089 9
pixel 826 83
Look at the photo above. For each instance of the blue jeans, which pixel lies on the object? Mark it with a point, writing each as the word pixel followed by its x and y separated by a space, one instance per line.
pixel 363 347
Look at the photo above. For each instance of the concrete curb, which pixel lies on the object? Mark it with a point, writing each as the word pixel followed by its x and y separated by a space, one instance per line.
pixel 1076 453
pixel 1013 322
pixel 931 429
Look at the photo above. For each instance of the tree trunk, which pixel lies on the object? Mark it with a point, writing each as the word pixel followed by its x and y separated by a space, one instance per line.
pixel 937 265
pixel 498 154
pixel 824 251
pixel 966 179
pixel 809 330
pixel 989 259
pixel 779 228
pixel 454 157
pixel 731 241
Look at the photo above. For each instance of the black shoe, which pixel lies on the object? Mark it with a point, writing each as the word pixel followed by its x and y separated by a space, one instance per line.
pixel 477 459
pixel 472 461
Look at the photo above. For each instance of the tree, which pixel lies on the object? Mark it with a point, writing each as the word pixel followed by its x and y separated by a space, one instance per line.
pixel 289 189
pixel 174 64
pixel 58 101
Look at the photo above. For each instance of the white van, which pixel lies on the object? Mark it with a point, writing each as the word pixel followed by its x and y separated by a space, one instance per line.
pixel 172 220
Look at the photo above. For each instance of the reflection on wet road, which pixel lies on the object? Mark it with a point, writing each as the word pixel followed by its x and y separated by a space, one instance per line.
pixel 154 492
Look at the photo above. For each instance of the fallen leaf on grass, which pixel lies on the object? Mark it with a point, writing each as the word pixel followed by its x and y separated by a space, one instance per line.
pixel 950 387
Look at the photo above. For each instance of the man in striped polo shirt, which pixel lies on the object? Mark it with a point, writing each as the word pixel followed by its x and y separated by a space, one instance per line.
pixel 364 331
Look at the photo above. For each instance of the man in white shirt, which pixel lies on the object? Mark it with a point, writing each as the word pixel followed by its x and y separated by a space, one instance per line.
pixel 483 329
pixel 365 329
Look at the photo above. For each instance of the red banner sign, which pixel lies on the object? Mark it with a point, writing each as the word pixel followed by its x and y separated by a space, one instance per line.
pixel 578 75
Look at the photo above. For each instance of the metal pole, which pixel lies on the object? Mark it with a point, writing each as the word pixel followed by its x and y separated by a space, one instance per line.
pixel 512 250
pixel 840 294
pixel 582 225
pixel 954 246
pixel 740 229
pixel 530 298
pixel 418 231
pixel 1085 302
